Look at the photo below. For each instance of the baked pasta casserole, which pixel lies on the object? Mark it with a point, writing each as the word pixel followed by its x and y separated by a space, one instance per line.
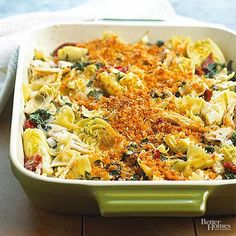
pixel 111 110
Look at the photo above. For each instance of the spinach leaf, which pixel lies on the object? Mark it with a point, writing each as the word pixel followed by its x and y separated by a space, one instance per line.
pixel 99 65
pixel 159 43
pixel 98 163
pixel 115 172
pixel 163 158
pixel 229 175
pixel 233 138
pixel 39 117
pixel 184 158
pixel 80 65
pixel 177 94
pixel 209 149
pixel 154 94
pixel 230 69
pixel 87 175
pixel 89 84
pixel 120 76
pixel 69 104
pixel 212 69
pixel 134 177
pixel 145 140
pixel 132 146
pixel 144 176
pixel 126 154
pixel 95 93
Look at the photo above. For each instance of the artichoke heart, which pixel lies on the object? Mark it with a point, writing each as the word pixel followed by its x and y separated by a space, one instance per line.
pixel 71 53
pixel 110 83
pixel 146 169
pixel 229 152
pixel 131 81
pixel 96 131
pixel 35 143
pixel 200 50
pixel 177 144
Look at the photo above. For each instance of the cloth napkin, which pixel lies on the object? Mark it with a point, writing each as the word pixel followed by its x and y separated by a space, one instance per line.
pixel 12 28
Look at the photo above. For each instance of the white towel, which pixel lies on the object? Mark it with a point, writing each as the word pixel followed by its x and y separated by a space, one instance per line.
pixel 12 28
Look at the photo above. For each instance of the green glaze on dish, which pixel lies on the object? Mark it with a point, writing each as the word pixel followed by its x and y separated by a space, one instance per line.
pixel 129 200
pixel 173 201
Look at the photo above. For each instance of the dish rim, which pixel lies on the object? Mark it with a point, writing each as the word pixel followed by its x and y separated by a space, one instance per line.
pixel 13 138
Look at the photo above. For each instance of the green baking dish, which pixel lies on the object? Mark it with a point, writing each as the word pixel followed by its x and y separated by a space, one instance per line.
pixel 120 198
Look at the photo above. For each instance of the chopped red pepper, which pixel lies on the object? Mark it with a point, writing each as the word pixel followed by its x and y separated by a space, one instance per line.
pixel 209 60
pixel 102 69
pixel 160 121
pixel 230 166
pixel 33 163
pixel 29 124
pixel 199 71
pixel 122 69
pixel 207 95
pixel 157 154
pixel 55 52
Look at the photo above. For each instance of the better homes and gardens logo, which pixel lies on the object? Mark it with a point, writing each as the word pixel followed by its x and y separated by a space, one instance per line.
pixel 215 224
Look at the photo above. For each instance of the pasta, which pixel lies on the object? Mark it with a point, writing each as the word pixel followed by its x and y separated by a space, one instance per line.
pixel 110 110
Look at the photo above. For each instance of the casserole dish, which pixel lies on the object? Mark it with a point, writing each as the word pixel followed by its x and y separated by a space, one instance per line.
pixel 120 198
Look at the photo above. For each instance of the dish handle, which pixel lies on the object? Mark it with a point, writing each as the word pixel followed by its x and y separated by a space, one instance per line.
pixel 152 201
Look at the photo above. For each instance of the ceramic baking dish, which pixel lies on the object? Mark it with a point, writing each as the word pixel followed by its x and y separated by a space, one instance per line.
pixel 120 198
